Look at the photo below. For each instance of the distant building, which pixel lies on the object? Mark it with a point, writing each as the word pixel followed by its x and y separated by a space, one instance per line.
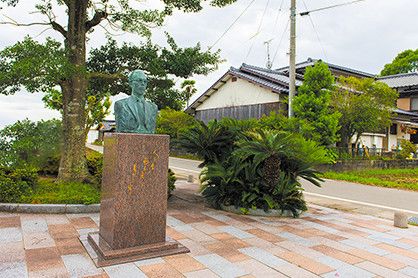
pixel 251 92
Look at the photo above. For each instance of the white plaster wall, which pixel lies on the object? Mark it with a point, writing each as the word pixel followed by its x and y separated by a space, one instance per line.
pixel 370 139
pixel 92 135
pixel 240 92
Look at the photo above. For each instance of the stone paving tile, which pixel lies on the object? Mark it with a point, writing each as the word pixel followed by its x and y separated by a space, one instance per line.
pixel 331 243
pixel 221 266
pixel 369 248
pixel 10 235
pixel 174 234
pixel 80 265
pixel 391 240
pixel 217 216
pixel 408 241
pixel 10 222
pixel 310 233
pixel 83 223
pixel 215 223
pixel 380 270
pixel 259 233
pixel 13 270
pixel 60 231
pixel 34 226
pixel 335 253
pixel 184 263
pixel 263 256
pixel 267 228
pixel 411 271
pixel 53 219
pixel 124 271
pixel 50 273
pixel 11 252
pixel 84 232
pixel 226 251
pixel 149 262
pixel 258 269
pixel 160 270
pixel 295 238
pixel 102 275
pixel 68 246
pixel 403 259
pixel 306 263
pixel 376 259
pixel 236 232
pixel 206 228
pixel 342 269
pixel 300 249
pixel 265 245
pixel 199 237
pixel 205 273
pixel 195 248
pixel 322 228
pixel 294 271
pixel 43 259
pixel 30 216
pixel 38 240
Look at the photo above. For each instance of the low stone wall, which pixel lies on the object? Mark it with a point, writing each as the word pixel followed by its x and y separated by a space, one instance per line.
pixel 363 165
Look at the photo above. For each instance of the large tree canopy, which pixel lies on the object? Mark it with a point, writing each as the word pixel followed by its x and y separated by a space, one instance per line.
pixel 364 105
pixel 70 73
pixel 406 61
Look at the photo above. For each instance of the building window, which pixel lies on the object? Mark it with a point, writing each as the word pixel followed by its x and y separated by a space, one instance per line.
pixel 394 129
pixel 414 103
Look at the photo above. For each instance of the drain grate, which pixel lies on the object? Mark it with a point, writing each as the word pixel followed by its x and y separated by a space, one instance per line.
pixel 413 220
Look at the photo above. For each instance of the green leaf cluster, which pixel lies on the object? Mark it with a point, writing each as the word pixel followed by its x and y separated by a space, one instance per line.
pixel 248 167
pixel 172 122
pixel 29 144
pixel 365 105
pixel 312 104
pixel 404 62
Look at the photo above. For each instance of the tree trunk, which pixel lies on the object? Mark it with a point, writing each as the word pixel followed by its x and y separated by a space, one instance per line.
pixel 73 166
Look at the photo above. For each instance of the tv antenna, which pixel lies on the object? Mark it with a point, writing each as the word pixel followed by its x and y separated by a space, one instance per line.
pixel 269 64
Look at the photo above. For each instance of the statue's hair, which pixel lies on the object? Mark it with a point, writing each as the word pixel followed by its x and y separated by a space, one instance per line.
pixel 136 72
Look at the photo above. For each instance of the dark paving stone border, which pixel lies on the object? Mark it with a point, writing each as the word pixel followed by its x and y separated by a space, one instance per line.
pixel 49 208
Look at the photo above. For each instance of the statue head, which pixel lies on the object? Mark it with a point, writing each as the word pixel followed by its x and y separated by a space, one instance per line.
pixel 138 82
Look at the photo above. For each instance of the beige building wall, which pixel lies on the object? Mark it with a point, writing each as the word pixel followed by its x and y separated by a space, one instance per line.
pixel 404 103
pixel 240 92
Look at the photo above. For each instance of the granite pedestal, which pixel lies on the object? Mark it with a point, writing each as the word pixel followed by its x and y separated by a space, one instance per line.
pixel 134 201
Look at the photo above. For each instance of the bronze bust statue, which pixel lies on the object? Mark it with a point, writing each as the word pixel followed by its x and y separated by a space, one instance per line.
pixel 134 114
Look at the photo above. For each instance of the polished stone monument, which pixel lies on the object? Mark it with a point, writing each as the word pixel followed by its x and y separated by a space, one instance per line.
pixel 134 195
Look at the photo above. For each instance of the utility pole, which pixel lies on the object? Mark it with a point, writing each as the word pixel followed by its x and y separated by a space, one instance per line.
pixel 292 56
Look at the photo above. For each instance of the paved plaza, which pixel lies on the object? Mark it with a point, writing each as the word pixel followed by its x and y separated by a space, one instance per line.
pixel 323 242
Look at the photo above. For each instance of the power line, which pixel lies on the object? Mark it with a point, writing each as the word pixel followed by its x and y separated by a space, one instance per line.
pixel 258 30
pixel 226 31
pixel 316 32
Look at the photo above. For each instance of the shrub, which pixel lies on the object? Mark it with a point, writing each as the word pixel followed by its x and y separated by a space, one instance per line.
pixel 29 144
pixel 15 183
pixel 406 149
pixel 171 182
pixel 258 169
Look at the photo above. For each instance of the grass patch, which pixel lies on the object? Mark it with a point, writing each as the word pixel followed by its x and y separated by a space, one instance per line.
pixel 394 178
pixel 49 192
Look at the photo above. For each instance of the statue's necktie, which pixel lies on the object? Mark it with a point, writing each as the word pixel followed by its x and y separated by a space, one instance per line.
pixel 141 107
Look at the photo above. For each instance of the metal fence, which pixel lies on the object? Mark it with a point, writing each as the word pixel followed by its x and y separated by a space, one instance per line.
pixel 360 153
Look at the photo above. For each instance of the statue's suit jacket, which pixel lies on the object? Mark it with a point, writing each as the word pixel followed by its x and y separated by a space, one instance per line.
pixel 128 119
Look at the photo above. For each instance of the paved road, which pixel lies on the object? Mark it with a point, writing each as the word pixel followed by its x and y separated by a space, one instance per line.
pixel 374 200
pixel 346 195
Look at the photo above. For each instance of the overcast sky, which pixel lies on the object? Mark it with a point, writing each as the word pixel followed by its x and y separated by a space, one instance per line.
pixel 364 35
